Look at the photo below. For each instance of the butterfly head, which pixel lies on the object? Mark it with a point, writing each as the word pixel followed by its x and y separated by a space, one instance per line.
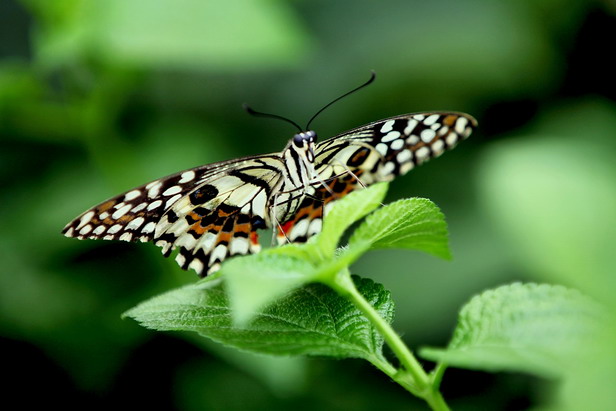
pixel 303 143
pixel 304 139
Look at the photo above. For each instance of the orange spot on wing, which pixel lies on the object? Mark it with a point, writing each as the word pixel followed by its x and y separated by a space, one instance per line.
pixel 254 237
pixel 450 120
pixel 285 228
pixel 106 206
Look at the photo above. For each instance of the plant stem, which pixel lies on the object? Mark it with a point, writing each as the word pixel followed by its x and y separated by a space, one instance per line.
pixel 412 377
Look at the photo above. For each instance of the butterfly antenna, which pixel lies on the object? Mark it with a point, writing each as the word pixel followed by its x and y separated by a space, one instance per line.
pixel 259 114
pixel 372 77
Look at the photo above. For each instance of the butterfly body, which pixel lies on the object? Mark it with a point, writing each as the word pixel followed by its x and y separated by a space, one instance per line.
pixel 213 212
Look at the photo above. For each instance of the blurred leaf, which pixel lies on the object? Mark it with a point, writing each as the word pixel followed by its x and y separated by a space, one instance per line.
pixel 312 320
pixel 282 375
pixel 345 212
pixel 414 223
pixel 541 329
pixel 552 194
pixel 185 34
pixel 591 386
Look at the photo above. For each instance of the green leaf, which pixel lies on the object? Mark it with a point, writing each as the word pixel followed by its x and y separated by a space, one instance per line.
pixel 256 280
pixel 312 320
pixel 414 223
pixel 345 212
pixel 541 329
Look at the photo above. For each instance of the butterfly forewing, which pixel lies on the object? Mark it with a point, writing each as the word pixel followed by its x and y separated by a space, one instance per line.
pixel 379 151
pixel 209 212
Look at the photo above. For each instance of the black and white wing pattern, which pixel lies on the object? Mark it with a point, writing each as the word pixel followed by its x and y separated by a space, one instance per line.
pixel 213 212
pixel 378 151
pixel 209 213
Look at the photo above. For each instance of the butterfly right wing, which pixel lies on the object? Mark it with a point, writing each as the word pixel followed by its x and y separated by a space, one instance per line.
pixel 378 151
pixel 197 210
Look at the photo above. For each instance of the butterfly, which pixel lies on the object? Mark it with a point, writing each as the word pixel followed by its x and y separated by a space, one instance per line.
pixel 213 212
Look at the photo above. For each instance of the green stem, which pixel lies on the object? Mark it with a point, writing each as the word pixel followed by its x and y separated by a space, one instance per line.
pixel 412 377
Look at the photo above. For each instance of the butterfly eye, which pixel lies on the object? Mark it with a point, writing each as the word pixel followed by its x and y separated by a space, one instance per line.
pixel 312 136
pixel 299 139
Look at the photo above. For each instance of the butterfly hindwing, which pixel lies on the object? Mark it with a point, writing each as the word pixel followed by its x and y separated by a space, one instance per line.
pixel 220 218
pixel 308 219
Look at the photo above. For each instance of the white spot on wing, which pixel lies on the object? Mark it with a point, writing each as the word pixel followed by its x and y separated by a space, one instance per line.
pixel 404 156
pixel 382 148
pixel 131 195
pixel 154 189
pixel 438 147
pixel 187 176
pixel 120 212
pixel 422 153
pixel 114 229
pixel 397 145
pixel 388 126
pixel 427 135
pixel 431 119
pixel 207 241
pixel 172 200
pixel 187 241
pixel 152 184
pixel 315 226
pixel 126 237
pixel 85 219
pixel 239 245
pixel 388 168
pixel 138 207
pixel 412 140
pixel 406 167
pixel 461 124
pixel 149 227
pixel 196 265
pixel 410 126
pixel 219 253
pixel 451 139
pixel 154 205
pixel 180 259
pixel 299 229
pixel 391 136
pixel 136 223
pixel 99 230
pixel 85 230
pixel 172 190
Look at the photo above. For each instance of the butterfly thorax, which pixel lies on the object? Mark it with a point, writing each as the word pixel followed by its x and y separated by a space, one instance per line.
pixel 299 177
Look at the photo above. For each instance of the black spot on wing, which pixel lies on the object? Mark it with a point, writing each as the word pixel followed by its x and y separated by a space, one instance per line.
pixel 258 223
pixel 203 194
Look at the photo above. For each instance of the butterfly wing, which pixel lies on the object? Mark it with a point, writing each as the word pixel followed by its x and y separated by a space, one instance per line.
pixel 210 212
pixel 379 151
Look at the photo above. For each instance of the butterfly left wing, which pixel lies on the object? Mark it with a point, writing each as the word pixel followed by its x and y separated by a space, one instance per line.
pixel 379 151
pixel 210 212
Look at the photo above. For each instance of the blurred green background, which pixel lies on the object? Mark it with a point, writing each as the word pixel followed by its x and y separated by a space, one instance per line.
pixel 97 97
